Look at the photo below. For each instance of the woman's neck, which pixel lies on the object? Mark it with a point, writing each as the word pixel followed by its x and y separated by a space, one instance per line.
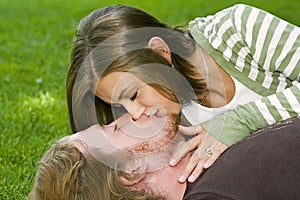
pixel 221 86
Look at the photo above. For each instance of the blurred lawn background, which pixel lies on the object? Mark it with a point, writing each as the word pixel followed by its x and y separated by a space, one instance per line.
pixel 35 42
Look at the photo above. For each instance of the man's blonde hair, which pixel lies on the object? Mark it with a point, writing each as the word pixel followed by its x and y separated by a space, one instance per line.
pixel 65 173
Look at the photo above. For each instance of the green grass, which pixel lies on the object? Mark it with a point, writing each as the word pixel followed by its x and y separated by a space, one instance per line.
pixel 35 42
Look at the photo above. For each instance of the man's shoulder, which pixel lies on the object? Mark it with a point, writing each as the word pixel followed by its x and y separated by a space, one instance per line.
pixel 247 169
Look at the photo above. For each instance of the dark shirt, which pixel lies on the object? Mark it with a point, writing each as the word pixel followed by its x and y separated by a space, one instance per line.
pixel 264 166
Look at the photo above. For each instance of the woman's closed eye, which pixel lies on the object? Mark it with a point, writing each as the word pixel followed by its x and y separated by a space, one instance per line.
pixel 134 96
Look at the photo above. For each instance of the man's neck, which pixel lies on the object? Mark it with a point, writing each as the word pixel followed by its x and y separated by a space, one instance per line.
pixel 165 181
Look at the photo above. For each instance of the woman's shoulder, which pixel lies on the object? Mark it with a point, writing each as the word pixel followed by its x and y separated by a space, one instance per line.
pixel 236 9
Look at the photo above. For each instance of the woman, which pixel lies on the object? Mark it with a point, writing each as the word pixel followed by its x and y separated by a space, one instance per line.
pixel 242 60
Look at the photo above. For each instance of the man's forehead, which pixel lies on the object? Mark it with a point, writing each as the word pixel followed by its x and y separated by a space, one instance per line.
pixel 94 138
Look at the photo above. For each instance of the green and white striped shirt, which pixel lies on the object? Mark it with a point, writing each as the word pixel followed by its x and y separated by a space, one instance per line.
pixel 262 52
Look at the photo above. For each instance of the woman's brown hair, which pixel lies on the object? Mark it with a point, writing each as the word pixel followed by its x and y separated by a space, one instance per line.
pixel 115 38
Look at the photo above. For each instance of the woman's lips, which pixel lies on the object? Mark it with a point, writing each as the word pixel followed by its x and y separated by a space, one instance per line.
pixel 144 127
pixel 143 122
pixel 157 111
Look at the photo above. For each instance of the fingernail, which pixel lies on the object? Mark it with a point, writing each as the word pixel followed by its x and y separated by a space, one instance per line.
pixel 192 178
pixel 206 165
pixel 181 179
pixel 172 162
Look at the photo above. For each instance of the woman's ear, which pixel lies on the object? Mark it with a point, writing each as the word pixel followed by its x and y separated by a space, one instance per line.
pixel 132 178
pixel 158 45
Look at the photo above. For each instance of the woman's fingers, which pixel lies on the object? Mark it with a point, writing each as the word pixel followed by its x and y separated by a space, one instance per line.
pixel 197 171
pixel 185 149
pixel 190 130
pixel 194 165
pixel 208 151
pixel 216 152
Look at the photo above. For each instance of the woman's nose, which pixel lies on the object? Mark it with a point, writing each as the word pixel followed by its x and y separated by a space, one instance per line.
pixel 135 109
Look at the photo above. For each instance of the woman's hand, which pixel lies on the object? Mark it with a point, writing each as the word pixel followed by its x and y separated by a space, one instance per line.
pixel 208 149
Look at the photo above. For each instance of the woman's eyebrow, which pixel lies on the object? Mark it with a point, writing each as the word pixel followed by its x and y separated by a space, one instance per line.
pixel 125 90
pixel 122 93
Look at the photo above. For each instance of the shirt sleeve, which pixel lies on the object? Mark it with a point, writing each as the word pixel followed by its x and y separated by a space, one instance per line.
pixel 262 52
pixel 246 119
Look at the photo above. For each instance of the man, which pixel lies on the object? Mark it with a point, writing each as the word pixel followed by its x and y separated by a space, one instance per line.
pixel 116 161
pixel 109 163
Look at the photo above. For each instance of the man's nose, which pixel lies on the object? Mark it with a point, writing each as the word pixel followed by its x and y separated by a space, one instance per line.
pixel 135 109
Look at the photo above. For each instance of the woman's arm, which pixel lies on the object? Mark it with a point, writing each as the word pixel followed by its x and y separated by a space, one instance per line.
pixel 262 52
pixel 244 120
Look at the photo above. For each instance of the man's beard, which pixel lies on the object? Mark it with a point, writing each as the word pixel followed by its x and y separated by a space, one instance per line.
pixel 162 139
pixel 154 154
pixel 152 196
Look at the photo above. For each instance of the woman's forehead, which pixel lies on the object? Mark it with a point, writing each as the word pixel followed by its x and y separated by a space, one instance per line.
pixel 113 85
